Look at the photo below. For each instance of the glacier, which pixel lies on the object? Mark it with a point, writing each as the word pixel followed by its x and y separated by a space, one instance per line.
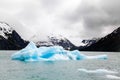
pixel 52 53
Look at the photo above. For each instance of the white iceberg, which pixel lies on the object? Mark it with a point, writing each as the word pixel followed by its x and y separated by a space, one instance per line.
pixel 32 53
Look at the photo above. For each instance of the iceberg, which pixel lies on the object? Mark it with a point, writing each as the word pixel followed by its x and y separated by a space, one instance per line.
pixel 52 53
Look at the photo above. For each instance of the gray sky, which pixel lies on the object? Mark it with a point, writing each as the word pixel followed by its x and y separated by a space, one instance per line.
pixel 71 18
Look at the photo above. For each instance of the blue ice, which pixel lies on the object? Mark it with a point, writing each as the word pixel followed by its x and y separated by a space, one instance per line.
pixel 53 53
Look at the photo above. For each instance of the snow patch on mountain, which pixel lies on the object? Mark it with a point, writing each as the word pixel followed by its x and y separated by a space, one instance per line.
pixel 5 29
pixel 57 40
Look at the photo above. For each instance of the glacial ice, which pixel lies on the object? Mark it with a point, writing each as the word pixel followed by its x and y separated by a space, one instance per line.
pixel 53 53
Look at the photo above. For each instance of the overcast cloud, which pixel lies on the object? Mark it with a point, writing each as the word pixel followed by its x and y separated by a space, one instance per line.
pixel 72 18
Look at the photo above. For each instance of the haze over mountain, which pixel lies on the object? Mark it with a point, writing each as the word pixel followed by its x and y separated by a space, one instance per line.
pixel 83 19
pixel 11 40
pixel 76 20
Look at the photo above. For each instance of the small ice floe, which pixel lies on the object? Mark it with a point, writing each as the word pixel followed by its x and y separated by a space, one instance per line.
pixel 113 77
pixel 98 71
pixel 52 53
pixel 102 57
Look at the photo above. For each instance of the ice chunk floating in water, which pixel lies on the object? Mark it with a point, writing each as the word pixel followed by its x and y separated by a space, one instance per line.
pixel 101 72
pixel 97 71
pixel 32 53
pixel 113 77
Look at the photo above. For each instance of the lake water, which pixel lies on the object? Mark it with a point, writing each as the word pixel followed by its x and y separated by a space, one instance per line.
pixel 58 70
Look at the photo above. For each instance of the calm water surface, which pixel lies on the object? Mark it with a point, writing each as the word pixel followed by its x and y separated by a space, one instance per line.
pixel 58 70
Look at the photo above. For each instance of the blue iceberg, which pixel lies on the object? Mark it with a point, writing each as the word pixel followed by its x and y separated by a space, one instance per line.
pixel 53 53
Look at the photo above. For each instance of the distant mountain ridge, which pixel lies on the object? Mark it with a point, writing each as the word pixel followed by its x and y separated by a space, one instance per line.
pixel 111 42
pixel 11 40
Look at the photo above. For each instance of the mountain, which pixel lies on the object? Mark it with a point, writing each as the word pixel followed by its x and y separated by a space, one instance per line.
pixel 111 42
pixel 10 39
pixel 58 41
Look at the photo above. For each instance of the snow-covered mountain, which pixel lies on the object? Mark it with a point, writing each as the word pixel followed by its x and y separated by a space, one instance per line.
pixel 9 38
pixel 111 42
pixel 58 41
